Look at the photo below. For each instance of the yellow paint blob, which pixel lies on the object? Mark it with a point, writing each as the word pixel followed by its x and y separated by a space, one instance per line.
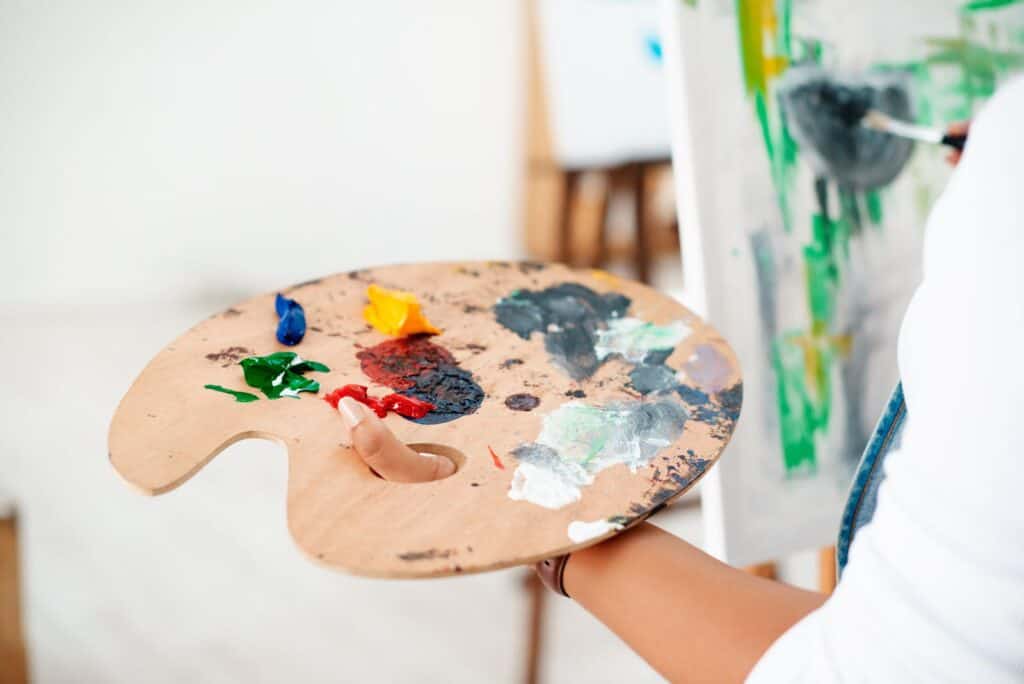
pixel 396 313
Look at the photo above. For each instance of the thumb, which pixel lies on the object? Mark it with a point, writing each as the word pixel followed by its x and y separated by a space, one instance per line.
pixel 384 453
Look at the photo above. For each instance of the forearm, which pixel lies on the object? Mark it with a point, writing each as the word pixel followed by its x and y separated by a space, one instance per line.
pixel 690 616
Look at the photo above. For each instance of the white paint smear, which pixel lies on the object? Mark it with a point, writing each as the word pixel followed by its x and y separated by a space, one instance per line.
pixel 580 531
pixel 633 339
pixel 578 440
pixel 541 486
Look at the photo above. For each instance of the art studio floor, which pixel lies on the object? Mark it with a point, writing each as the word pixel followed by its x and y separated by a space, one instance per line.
pixel 204 584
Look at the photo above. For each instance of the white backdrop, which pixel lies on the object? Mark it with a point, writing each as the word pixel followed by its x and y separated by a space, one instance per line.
pixel 169 151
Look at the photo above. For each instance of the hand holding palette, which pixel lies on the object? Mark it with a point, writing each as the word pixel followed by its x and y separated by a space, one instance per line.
pixel 573 404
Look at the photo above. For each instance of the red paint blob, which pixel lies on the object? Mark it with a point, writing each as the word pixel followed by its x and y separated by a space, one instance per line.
pixel 494 457
pixel 397 363
pixel 410 407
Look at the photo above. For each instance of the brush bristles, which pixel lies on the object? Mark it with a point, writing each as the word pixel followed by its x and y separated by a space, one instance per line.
pixel 876 120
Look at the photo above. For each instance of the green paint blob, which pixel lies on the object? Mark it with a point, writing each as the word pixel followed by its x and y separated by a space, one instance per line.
pixel 280 374
pixel 240 397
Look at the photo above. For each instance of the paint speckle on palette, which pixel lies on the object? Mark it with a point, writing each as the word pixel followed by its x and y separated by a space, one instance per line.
pixel 721 409
pixel 708 368
pixel 494 459
pixel 240 397
pixel 508 363
pixel 416 367
pixel 576 394
pixel 580 531
pixel 231 313
pixel 579 440
pixel 522 402
pixel 528 267
pixel 229 355
pixel 569 316
pixel 634 340
pixel 429 554
pixel 291 327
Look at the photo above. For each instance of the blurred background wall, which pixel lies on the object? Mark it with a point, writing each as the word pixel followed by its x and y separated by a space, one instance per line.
pixel 171 151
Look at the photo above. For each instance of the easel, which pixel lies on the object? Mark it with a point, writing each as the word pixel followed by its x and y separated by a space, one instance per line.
pixel 563 220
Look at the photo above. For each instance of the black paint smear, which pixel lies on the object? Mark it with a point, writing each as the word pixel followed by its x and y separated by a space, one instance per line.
pixel 826 115
pixel 569 316
pixel 508 363
pixel 576 394
pixel 522 402
pixel 451 390
pixel 731 400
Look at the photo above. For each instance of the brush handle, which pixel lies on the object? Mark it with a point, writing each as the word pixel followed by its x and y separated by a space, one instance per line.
pixel 957 141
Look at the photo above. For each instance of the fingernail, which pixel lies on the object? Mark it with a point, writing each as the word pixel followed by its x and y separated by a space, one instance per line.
pixel 351 411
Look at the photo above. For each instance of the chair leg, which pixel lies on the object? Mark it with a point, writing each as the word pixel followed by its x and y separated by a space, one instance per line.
pixel 570 181
pixel 601 248
pixel 535 628
pixel 13 661
pixel 642 255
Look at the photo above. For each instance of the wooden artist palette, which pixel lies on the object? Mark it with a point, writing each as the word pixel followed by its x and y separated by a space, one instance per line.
pixel 568 460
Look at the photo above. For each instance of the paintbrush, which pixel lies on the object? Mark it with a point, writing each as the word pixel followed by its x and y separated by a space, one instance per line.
pixel 880 121
pixel 825 112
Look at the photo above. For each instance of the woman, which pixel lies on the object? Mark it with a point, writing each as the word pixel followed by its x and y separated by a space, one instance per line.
pixel 934 585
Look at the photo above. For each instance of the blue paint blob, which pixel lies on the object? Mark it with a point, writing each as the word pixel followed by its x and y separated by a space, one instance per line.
pixel 292 326
pixel 654 50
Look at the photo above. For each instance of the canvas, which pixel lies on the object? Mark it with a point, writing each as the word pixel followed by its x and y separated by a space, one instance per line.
pixel 604 80
pixel 804 247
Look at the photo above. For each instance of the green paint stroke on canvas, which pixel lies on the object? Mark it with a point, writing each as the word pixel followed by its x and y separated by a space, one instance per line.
pixel 978 5
pixel 765 52
pixel 873 199
pixel 240 397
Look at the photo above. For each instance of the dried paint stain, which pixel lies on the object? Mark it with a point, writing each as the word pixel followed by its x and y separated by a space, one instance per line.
pixel 522 402
pixel 418 368
pixel 578 441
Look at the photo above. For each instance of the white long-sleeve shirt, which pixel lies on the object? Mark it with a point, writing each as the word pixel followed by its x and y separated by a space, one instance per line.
pixel 934 588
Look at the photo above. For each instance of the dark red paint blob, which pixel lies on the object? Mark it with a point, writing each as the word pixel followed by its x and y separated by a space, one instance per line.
pixel 417 368
pixel 397 363
pixel 494 457
pixel 410 407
